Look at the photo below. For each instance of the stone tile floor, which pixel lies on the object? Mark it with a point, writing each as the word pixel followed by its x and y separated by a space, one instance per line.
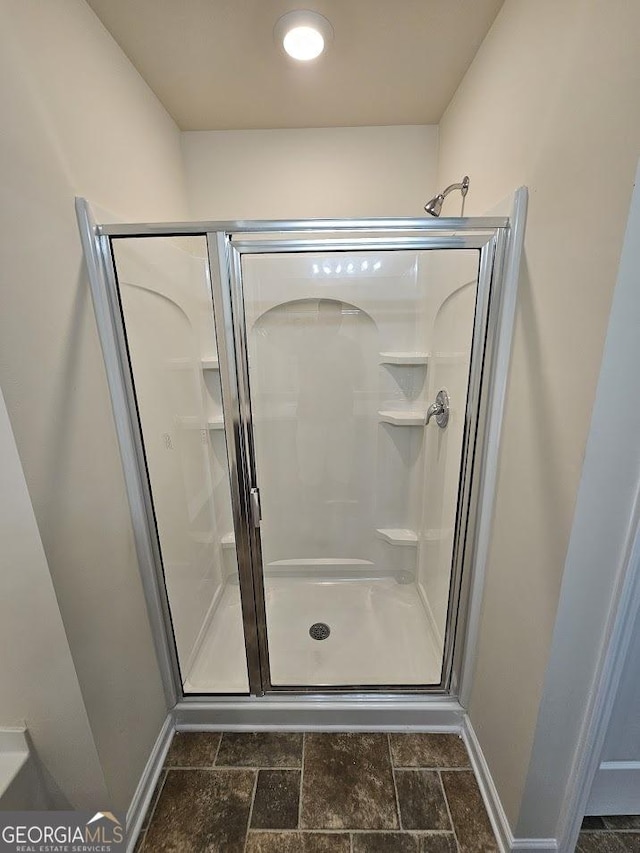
pixel 286 792
pixel 610 834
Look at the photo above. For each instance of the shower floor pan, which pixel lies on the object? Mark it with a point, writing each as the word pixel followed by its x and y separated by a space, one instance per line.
pixel 379 635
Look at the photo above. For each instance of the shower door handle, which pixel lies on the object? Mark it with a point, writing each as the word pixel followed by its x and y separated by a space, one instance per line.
pixel 256 508
pixel 439 409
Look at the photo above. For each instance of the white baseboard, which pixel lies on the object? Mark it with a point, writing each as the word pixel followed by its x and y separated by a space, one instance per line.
pixel 143 793
pixel 506 840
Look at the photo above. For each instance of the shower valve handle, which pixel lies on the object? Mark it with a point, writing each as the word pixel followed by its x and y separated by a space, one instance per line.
pixel 439 409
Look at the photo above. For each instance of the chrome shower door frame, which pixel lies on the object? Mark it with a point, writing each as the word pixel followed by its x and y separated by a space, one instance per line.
pixel 227 242
pixel 491 244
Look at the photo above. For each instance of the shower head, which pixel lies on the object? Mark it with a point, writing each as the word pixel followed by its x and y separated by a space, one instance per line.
pixel 434 205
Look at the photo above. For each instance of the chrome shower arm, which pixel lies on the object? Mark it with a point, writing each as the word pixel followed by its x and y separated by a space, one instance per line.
pixel 463 186
pixel 434 206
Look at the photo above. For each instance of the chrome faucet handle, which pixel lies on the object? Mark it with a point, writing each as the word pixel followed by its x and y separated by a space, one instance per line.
pixel 439 409
pixel 434 409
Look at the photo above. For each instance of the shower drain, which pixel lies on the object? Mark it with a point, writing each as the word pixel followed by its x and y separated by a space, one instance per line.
pixel 319 631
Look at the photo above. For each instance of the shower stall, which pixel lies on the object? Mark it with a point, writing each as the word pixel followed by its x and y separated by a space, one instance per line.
pixel 302 410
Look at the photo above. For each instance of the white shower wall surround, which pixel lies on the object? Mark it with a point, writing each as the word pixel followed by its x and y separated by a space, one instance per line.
pixel 346 350
pixel 336 339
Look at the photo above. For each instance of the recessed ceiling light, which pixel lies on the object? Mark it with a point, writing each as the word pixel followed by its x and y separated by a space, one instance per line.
pixel 303 35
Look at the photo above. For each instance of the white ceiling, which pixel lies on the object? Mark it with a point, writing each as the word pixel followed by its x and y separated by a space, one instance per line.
pixel 215 66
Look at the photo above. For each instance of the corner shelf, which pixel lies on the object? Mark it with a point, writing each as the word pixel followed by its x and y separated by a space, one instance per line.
pixel 403 418
pixel 210 363
pixel 216 422
pixel 398 536
pixel 404 358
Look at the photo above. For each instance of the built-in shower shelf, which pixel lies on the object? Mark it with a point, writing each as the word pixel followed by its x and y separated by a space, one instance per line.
pixel 403 418
pixel 211 363
pixel 398 536
pixel 228 540
pixel 404 358
pixel 216 422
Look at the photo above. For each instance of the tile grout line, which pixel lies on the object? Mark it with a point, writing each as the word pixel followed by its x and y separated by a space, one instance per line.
pixel 611 829
pixel 606 829
pixel 304 741
pixel 215 757
pixel 395 787
pixel 207 768
pixel 350 831
pixel 233 767
pixel 437 767
pixel 253 799
pixel 446 802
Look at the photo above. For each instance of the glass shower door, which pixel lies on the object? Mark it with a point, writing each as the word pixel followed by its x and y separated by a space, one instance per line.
pixel 347 350
pixel 165 302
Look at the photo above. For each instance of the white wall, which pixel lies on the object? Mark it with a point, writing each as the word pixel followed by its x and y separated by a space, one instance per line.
pixel 78 119
pixel 602 534
pixel 550 102
pixel 324 172
pixel 39 683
